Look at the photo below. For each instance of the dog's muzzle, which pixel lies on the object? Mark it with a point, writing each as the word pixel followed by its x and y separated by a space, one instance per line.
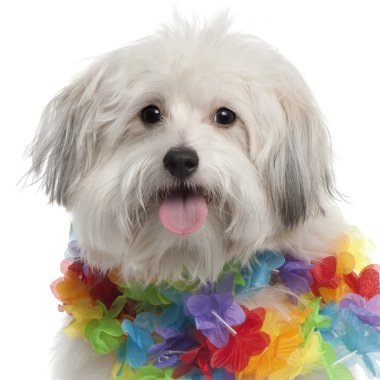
pixel 183 210
pixel 181 162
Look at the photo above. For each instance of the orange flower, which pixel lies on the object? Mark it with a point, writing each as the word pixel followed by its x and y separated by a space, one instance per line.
pixel 70 288
pixel 335 295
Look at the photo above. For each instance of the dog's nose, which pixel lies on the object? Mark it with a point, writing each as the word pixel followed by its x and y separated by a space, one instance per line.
pixel 181 162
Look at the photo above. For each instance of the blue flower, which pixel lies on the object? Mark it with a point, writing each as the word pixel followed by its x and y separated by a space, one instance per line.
pixel 135 351
pixel 360 340
pixel 257 274
pixel 173 317
pixel 332 333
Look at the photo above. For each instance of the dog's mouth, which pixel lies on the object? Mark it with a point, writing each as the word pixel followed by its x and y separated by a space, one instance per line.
pixel 183 211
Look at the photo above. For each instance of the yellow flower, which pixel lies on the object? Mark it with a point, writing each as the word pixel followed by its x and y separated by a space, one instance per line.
pixel 302 360
pixel 360 248
pixel 286 337
pixel 82 313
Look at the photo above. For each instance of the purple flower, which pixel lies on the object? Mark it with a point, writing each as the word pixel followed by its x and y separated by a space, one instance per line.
pixel 176 343
pixel 73 250
pixel 213 313
pixel 296 275
pixel 73 253
pixel 366 311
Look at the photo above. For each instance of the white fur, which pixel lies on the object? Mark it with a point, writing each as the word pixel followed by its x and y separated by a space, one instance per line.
pixel 269 175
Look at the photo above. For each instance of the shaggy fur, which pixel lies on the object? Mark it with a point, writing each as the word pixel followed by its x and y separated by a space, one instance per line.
pixel 268 177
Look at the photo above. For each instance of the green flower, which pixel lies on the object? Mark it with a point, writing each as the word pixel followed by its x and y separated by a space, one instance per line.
pixel 314 319
pixel 106 334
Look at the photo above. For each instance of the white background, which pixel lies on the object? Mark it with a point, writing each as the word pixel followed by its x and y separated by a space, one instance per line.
pixel 335 45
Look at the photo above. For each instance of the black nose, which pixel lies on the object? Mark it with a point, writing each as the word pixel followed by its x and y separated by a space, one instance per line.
pixel 181 162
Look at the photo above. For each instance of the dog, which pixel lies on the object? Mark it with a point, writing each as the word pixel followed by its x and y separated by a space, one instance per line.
pixel 181 152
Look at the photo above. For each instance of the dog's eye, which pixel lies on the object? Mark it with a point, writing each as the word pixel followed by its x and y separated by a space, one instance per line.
pixel 224 116
pixel 151 114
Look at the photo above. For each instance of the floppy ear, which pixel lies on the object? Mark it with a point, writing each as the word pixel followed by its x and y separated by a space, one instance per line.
pixel 64 146
pixel 298 164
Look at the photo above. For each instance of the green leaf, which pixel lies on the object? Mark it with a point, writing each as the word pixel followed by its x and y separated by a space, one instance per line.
pixel 185 286
pixel 102 306
pixel 117 307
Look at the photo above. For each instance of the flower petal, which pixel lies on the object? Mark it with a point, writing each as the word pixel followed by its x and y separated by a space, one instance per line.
pixel 235 356
pixel 190 356
pixel 254 321
pixel 374 304
pixel 274 260
pixel 297 284
pixel 135 356
pixel 218 336
pixel 146 321
pixel 369 281
pixel 173 317
pixel 129 328
pixel 352 299
pixel 165 361
pixel 182 370
pixel 167 332
pixel 199 305
pixel 155 348
pixel 234 315
pixel 367 316
pixel 203 323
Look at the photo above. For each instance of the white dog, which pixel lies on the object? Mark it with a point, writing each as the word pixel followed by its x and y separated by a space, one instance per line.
pixel 181 152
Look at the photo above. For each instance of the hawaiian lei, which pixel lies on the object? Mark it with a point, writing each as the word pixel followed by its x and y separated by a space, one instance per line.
pixel 172 331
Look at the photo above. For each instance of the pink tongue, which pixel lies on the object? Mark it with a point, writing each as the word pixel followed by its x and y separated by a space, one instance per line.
pixel 183 215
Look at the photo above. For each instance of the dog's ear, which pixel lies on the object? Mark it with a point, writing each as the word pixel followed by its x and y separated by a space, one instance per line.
pixel 297 165
pixel 64 147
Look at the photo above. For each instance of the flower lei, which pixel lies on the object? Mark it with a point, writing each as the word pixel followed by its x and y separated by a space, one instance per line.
pixel 187 331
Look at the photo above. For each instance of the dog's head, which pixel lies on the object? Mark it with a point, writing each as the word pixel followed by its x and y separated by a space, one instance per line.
pixel 186 150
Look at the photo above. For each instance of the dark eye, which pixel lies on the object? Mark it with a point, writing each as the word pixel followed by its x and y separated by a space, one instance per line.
pixel 224 116
pixel 151 114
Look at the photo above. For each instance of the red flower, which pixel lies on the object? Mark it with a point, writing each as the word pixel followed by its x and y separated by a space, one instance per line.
pixel 324 275
pixel 248 341
pixel 367 283
pixel 88 277
pixel 101 287
pixel 198 357
pixel 105 291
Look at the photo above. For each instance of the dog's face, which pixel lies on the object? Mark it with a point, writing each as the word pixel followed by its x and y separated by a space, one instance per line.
pixel 184 151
